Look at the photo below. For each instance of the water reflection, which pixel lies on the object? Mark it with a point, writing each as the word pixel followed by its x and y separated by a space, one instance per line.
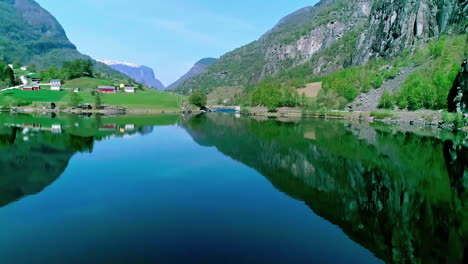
pixel 401 195
pixel 35 149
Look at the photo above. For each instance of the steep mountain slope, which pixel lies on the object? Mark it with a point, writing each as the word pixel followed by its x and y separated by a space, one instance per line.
pixel 333 35
pixel 140 73
pixel 31 35
pixel 197 69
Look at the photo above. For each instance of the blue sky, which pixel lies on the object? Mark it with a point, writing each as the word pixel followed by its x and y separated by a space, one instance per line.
pixel 169 36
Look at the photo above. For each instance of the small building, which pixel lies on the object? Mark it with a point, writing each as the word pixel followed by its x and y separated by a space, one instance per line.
pixel 107 89
pixel 129 89
pixel 55 84
pixel 56 129
pixel 76 90
pixel 35 78
pixel 31 88
pixel 129 127
pixel 24 68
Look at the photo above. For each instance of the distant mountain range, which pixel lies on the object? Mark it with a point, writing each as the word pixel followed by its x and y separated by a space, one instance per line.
pixel 198 69
pixel 140 73
pixel 31 35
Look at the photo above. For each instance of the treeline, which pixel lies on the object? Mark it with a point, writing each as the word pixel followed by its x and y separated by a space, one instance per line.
pixel 70 70
pixel 272 95
pixel 7 75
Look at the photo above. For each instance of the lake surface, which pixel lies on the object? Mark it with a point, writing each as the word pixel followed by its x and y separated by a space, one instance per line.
pixel 222 189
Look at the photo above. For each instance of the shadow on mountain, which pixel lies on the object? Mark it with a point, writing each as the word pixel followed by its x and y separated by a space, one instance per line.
pixel 401 195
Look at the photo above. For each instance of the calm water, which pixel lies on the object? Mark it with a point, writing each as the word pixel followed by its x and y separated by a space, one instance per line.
pixel 221 189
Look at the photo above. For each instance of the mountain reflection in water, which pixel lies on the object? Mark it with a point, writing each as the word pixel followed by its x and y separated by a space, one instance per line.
pixel 35 150
pixel 402 195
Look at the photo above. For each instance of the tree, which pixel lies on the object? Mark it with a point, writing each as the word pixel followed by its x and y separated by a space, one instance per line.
pixel 386 101
pixel 199 99
pixel 16 65
pixel 88 67
pixel 32 68
pixel 9 76
pixel 74 99
pixel 97 100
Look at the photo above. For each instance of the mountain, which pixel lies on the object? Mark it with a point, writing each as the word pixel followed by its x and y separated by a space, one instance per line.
pixel 140 73
pixel 335 35
pixel 198 69
pixel 31 35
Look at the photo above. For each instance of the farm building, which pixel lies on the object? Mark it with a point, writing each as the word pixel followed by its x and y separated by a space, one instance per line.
pixel 55 84
pixel 129 89
pixel 106 89
pixel 35 78
pixel 31 88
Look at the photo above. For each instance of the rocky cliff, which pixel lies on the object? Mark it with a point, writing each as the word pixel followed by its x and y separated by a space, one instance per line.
pixel 197 69
pixel 398 25
pixel 335 34
pixel 140 73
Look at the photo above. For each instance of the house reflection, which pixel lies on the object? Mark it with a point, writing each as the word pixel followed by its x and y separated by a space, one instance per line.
pixel 35 150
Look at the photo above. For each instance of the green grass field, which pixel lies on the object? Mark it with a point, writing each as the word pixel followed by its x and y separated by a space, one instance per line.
pixel 143 100
pixel 87 83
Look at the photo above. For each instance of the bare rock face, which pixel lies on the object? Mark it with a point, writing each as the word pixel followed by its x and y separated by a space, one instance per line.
pixel 335 34
pixel 324 32
pixel 398 25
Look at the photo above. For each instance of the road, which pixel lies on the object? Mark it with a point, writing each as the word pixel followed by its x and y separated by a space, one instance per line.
pixel 24 80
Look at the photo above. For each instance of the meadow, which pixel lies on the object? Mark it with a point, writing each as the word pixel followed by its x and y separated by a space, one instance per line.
pixel 141 100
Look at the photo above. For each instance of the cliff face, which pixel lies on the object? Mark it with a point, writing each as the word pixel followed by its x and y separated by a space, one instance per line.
pixel 197 69
pixel 333 35
pixel 397 25
pixel 140 73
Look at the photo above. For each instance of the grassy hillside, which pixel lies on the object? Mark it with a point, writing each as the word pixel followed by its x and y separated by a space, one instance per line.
pixel 87 82
pixel 145 100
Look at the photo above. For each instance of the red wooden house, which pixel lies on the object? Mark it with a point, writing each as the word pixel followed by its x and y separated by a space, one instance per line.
pixel 31 88
pixel 107 89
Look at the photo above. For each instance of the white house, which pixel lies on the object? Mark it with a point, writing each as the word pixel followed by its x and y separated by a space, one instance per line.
pixel 24 68
pixel 129 89
pixel 55 84
pixel 56 129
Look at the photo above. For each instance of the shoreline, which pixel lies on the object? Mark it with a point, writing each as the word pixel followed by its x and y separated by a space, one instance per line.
pixel 424 118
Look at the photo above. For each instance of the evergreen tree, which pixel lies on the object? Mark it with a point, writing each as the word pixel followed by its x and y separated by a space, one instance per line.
pixel 9 76
pixel 97 100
